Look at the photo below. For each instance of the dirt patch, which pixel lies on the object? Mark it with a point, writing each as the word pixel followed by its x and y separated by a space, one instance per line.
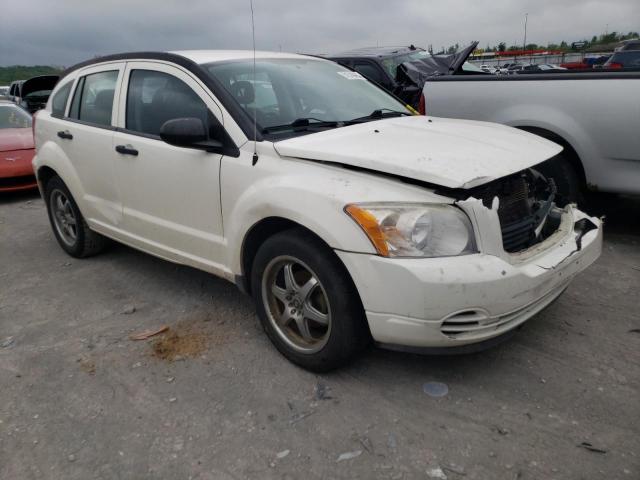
pixel 87 365
pixel 173 345
pixel 189 338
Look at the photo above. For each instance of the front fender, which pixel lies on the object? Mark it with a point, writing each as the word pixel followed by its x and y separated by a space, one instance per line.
pixel 304 205
pixel 311 194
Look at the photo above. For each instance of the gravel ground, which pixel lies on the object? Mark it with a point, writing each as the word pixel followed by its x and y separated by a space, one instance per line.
pixel 214 400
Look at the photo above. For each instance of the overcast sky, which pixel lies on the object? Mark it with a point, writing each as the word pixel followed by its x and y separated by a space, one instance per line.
pixel 63 32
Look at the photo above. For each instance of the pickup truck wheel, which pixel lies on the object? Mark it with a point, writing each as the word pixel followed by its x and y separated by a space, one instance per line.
pixel 306 301
pixel 567 179
pixel 69 227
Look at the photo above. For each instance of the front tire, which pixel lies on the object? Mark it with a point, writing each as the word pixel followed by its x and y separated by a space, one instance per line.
pixel 68 224
pixel 306 301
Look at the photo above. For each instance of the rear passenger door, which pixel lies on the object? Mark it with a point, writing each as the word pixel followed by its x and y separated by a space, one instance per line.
pixel 85 134
pixel 171 196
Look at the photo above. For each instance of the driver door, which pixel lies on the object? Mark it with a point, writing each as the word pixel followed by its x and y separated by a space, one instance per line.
pixel 170 194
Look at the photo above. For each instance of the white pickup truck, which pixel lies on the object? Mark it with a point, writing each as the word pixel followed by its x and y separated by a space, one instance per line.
pixel 594 116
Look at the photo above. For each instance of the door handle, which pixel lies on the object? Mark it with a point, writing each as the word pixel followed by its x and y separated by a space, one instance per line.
pixel 126 150
pixel 65 134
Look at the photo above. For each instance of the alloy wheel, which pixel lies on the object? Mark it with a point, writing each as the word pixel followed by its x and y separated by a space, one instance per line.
pixel 296 304
pixel 64 219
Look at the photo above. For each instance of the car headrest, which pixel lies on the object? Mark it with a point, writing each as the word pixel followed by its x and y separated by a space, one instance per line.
pixel 243 92
pixel 176 104
pixel 104 99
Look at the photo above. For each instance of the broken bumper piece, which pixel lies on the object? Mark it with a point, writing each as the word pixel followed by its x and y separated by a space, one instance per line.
pixel 458 301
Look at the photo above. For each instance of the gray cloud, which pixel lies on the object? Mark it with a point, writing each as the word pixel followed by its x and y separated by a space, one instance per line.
pixel 64 32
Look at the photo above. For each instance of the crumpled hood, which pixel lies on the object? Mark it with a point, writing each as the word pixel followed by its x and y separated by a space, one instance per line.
pixel 419 71
pixel 442 151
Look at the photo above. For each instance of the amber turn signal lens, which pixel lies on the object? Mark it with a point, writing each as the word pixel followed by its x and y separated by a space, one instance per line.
pixel 369 224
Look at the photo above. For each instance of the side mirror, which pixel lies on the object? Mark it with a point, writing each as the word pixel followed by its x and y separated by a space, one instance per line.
pixel 184 132
pixel 190 132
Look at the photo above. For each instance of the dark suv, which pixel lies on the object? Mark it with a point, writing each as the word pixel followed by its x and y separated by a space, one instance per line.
pixel 402 71
pixel 380 64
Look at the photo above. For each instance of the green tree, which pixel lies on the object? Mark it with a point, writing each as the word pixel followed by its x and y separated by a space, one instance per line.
pixel 21 72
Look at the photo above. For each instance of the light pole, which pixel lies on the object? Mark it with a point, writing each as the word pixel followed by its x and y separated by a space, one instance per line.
pixel 524 43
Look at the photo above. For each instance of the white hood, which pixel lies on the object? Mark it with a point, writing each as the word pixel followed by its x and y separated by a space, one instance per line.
pixel 442 151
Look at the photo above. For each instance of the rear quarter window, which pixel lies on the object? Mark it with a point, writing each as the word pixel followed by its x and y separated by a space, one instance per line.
pixel 59 100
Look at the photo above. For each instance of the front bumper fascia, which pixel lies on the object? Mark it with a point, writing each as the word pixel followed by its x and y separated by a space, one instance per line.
pixel 413 302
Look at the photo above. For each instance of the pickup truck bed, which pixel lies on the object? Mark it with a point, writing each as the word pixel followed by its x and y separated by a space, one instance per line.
pixel 595 116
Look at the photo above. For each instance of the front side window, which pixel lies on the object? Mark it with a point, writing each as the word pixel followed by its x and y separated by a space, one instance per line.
pixel 284 91
pixel 59 100
pixel 156 97
pixel 93 99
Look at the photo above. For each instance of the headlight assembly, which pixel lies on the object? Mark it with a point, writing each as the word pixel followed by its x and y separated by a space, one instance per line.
pixel 415 230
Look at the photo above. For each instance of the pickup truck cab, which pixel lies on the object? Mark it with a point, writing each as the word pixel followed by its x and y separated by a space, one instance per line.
pixel 344 216
pixel 594 115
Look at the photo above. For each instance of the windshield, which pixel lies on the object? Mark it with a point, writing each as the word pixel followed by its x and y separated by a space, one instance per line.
pixel 390 64
pixel 284 91
pixel 14 117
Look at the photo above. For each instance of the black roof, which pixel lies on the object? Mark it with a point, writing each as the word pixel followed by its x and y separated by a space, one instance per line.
pixel 376 52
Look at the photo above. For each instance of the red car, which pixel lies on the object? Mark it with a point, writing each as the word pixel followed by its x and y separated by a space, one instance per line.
pixel 16 149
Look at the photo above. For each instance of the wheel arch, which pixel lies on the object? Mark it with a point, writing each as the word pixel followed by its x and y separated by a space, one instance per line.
pixel 570 152
pixel 43 175
pixel 261 231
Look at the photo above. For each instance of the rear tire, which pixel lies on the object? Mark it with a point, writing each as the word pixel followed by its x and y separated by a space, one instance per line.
pixel 335 330
pixel 69 226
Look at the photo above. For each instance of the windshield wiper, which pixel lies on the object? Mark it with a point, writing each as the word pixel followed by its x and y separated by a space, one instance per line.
pixel 300 124
pixel 377 115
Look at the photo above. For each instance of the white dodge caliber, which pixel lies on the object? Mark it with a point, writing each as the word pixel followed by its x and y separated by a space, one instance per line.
pixel 345 216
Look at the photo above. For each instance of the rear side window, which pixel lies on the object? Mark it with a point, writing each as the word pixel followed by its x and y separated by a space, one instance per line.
pixel 155 97
pixel 59 100
pixel 93 98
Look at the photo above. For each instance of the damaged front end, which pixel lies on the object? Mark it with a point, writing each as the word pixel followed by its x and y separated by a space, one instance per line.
pixel 517 215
